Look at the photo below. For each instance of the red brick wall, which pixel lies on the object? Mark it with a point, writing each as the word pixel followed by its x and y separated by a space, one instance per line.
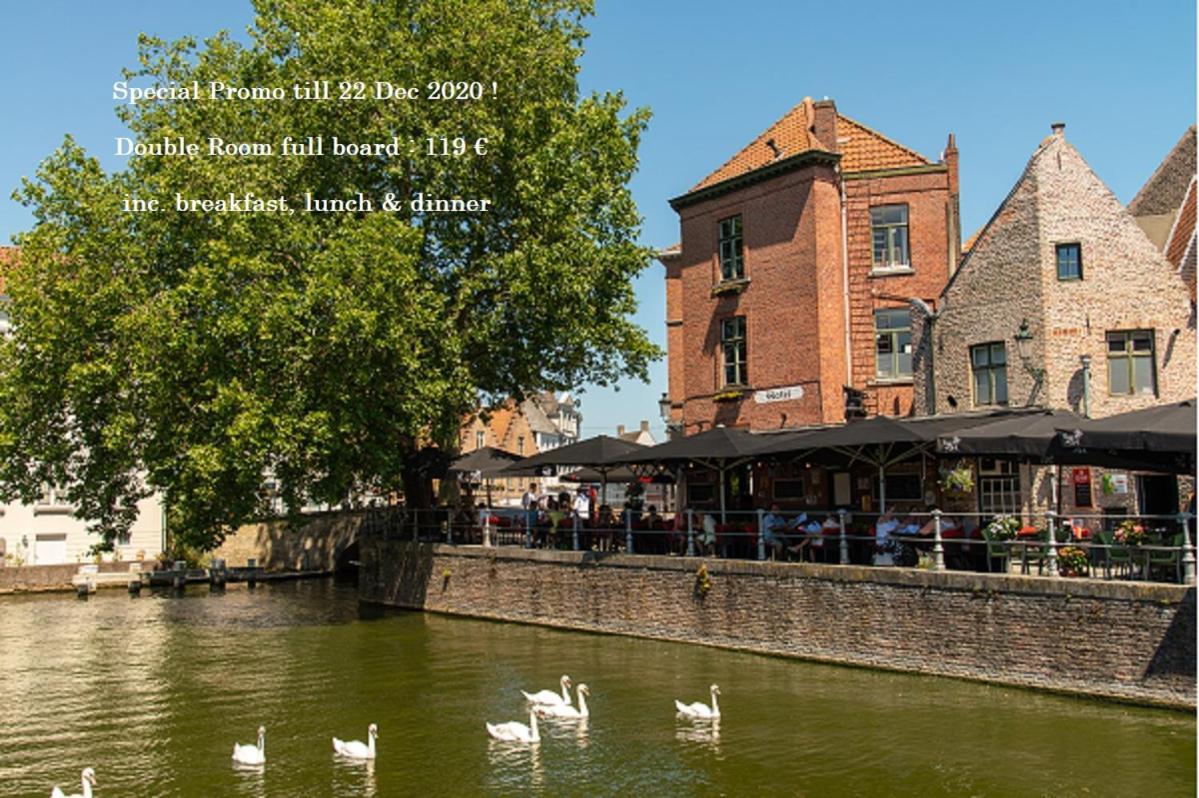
pixel 794 300
pixel 789 240
pixel 927 196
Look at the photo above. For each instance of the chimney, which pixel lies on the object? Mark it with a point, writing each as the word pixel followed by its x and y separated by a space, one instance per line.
pixel 952 205
pixel 619 430
pixel 1058 128
pixel 950 156
pixel 824 124
pixel 644 425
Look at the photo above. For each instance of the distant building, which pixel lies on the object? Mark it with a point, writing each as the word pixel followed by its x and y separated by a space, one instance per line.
pixel 641 435
pixel 1062 302
pixel 1165 207
pixel 792 279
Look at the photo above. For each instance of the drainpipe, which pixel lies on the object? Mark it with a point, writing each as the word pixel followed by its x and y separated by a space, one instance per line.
pixel 1086 385
pixel 845 280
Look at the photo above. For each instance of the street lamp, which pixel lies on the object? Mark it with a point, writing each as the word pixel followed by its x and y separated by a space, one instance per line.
pixel 1024 349
pixel 664 407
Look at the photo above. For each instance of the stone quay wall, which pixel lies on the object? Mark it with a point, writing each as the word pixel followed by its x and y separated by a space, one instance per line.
pixel 47 578
pixel 1132 642
pixel 277 545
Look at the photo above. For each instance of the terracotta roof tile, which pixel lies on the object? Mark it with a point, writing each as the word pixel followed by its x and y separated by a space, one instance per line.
pixel 1184 227
pixel 867 149
pixel 862 148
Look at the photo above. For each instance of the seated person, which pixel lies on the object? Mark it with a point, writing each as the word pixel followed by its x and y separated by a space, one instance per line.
pixel 704 530
pixel 774 531
pixel 884 528
pixel 652 519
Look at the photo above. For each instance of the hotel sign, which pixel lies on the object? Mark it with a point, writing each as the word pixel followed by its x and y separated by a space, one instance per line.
pixel 779 394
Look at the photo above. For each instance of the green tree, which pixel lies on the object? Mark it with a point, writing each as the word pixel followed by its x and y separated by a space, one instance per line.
pixel 192 353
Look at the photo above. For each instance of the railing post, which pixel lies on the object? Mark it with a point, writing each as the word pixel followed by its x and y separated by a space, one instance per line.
pixel 1188 550
pixel 844 540
pixel 628 531
pixel 487 528
pixel 574 532
pixel 449 529
pixel 761 535
pixel 938 549
pixel 1051 546
pixel 529 529
pixel 690 535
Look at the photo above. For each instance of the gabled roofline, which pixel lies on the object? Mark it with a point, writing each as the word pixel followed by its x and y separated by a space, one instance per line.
pixel 982 233
pixel 797 161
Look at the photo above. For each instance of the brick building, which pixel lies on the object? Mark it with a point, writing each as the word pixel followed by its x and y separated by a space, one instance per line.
pixel 797 260
pixel 1062 302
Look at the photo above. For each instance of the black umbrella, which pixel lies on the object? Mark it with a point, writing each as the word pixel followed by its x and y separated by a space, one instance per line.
pixel 1163 429
pixel 621 474
pixel 602 453
pixel 720 448
pixel 1027 436
pixel 487 461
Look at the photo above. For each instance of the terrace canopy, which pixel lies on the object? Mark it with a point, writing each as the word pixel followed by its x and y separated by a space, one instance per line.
pixel 603 453
pixel 487 462
pixel 720 448
pixel 879 441
pixel 1164 434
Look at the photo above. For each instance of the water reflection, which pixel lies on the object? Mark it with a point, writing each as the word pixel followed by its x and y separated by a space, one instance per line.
pixel 515 764
pixel 695 731
pixel 251 779
pixel 354 777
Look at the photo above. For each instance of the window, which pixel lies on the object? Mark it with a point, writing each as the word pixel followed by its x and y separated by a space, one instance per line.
pixel 893 344
pixel 480 438
pixel 988 363
pixel 889 229
pixel 998 488
pixel 52 496
pixel 732 342
pixel 732 261
pixel 1130 363
pixel 1069 262
pixel 520 444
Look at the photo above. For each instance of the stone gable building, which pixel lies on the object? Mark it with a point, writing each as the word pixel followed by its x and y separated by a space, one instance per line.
pixel 792 277
pixel 1061 302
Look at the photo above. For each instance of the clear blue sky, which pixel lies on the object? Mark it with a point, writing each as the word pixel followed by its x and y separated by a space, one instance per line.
pixel 715 74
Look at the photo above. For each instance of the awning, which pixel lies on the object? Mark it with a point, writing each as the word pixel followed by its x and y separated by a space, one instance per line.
pixel 1028 436
pixel 602 452
pixel 1161 429
pixel 487 461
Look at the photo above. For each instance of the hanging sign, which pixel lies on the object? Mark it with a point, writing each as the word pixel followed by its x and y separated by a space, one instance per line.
pixel 1081 477
pixel 779 394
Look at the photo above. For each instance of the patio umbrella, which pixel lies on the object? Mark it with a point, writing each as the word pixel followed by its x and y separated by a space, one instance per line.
pixel 1161 429
pixel 621 474
pixel 601 452
pixel 1025 436
pixel 720 448
pixel 486 462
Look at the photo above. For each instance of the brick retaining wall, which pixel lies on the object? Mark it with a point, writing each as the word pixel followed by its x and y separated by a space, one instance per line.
pixel 1120 640
pixel 279 547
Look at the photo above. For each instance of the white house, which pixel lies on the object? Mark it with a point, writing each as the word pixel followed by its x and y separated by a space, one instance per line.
pixel 47 533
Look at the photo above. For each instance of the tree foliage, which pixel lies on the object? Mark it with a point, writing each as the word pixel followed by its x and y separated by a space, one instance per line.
pixel 193 353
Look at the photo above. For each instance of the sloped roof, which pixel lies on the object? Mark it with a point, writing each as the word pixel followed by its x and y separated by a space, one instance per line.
pixel 862 148
pixel 538 420
pixel 1165 189
pixel 1181 244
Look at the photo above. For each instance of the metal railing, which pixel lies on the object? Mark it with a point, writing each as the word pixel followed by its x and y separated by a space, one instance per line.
pixel 1133 546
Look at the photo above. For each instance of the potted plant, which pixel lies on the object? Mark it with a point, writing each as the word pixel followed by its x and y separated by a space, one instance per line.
pixel 1072 561
pixel 1003 527
pixel 1130 533
pixel 958 480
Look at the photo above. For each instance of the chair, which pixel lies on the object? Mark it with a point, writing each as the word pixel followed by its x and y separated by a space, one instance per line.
pixel 996 549
pixel 1168 557
pixel 1113 554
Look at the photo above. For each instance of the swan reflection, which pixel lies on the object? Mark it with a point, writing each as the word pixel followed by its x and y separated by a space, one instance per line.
pixel 355 777
pixel 705 733
pixel 511 761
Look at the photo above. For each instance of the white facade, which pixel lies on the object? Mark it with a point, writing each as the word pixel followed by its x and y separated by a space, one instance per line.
pixel 47 533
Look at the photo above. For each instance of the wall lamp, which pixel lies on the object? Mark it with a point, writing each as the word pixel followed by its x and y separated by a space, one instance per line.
pixel 1024 349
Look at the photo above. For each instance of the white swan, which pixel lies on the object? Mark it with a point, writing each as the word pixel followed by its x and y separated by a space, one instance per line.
pixel 698 710
pixel 566 710
pixel 89 781
pixel 357 749
pixel 251 754
pixel 549 697
pixel 516 732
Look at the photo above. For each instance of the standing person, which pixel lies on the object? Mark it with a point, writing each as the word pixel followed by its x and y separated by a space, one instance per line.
pixel 582 505
pixel 592 495
pixel 529 503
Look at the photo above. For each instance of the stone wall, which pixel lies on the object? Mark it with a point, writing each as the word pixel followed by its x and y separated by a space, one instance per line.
pixel 37 578
pixel 277 546
pixel 1126 641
